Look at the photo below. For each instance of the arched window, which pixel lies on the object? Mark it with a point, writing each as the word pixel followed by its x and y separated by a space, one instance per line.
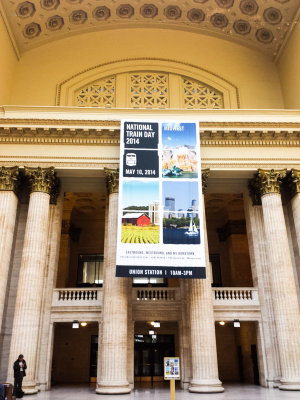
pixel 147 84
pixel 148 89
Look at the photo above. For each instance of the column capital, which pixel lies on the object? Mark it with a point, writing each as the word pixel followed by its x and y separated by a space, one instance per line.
pixel 9 178
pixel 55 190
pixel 112 180
pixel 205 174
pixel 294 181
pixel 254 191
pixel 269 180
pixel 40 179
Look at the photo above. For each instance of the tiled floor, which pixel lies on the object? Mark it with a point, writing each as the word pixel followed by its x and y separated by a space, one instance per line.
pixel 232 392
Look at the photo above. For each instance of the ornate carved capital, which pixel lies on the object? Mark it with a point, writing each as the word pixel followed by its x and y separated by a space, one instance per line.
pixel 55 190
pixel 9 178
pixel 40 179
pixel 270 180
pixel 205 174
pixel 295 181
pixel 254 191
pixel 112 180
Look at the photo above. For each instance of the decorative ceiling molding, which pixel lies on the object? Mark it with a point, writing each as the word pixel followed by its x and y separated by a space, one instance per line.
pixel 264 25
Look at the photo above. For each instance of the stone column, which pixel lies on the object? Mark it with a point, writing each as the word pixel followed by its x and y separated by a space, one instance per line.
pixel 113 351
pixel 54 235
pixel 283 288
pixel 26 326
pixel 203 337
pixel 295 202
pixel 270 373
pixel 8 212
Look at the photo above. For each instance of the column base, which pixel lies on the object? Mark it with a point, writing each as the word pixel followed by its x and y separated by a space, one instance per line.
pixel 289 384
pixel 206 386
pixel 110 389
pixel 30 389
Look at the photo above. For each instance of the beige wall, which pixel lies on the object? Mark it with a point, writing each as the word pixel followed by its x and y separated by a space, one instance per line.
pixel 8 61
pixel 288 67
pixel 41 69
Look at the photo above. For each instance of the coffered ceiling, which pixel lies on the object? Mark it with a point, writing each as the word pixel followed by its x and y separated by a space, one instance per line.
pixel 263 24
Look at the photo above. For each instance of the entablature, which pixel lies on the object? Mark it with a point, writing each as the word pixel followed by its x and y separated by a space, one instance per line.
pixel 71 125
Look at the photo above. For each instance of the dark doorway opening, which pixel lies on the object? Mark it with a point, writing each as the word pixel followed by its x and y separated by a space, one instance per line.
pixel 94 358
pixel 237 352
pixel 75 354
pixel 149 353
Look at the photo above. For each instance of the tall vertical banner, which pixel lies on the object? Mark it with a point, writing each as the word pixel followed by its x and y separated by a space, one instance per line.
pixel 160 227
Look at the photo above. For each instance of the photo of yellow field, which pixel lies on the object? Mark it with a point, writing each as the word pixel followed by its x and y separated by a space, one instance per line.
pixel 140 234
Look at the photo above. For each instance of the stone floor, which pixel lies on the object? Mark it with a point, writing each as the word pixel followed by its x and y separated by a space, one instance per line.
pixel 232 392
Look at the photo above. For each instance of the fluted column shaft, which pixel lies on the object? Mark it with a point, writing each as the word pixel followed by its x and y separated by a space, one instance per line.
pixel 284 294
pixel 30 287
pixel 260 272
pixel 113 352
pixel 26 325
pixel 295 202
pixel 8 212
pixel 203 336
pixel 45 356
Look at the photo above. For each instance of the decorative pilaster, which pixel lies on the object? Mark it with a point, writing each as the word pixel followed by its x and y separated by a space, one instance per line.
pixel 27 318
pixel 113 351
pixel 203 337
pixel 8 212
pixel 283 288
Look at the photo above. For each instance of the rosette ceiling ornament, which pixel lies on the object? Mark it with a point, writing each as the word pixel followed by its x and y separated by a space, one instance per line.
pixel 264 25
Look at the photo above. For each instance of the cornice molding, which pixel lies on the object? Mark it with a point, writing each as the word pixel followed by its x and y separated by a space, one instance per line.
pixel 108 133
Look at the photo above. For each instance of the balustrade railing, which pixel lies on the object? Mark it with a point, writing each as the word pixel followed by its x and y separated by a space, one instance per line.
pixel 93 296
pixel 77 297
pixel 238 296
pixel 157 294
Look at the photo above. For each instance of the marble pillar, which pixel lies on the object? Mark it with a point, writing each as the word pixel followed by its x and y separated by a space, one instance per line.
pixel 185 335
pixel 269 364
pixel 203 337
pixel 113 351
pixel 8 212
pixel 283 288
pixel 27 318
pixel 45 348
pixel 295 202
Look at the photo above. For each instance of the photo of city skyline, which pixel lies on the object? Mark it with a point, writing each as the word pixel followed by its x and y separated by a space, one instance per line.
pixel 181 212
pixel 180 196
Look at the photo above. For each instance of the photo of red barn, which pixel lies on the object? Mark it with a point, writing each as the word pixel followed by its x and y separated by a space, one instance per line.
pixel 138 219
